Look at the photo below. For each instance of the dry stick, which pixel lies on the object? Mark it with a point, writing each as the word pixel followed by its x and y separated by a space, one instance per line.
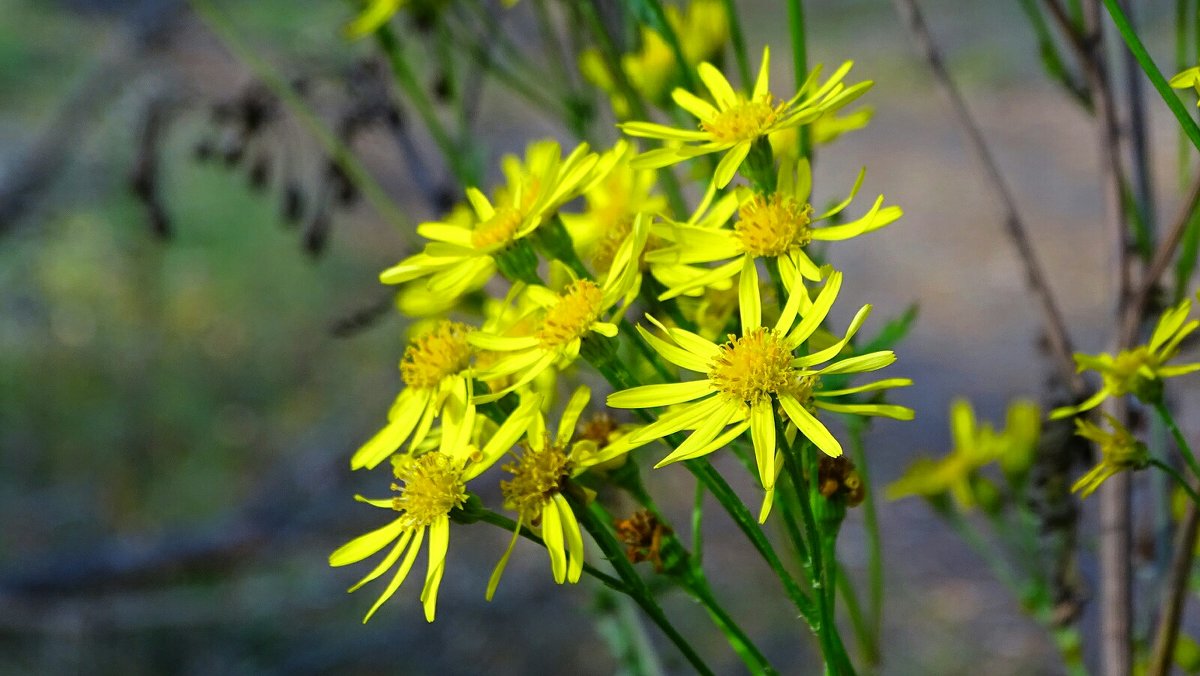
pixel 1175 592
pixel 1116 592
pixel 1056 331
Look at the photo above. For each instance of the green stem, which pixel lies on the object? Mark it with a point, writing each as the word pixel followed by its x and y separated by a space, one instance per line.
pixel 874 541
pixel 1184 448
pixel 739 44
pixel 612 59
pixel 691 576
pixel 1151 70
pixel 799 455
pixel 858 620
pixel 416 95
pixel 339 152
pixel 477 513
pixel 799 64
pixel 1174 474
pixel 637 587
pixel 698 588
pixel 659 22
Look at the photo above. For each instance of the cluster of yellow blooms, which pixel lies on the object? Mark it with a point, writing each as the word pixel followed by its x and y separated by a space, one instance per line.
pixel 767 368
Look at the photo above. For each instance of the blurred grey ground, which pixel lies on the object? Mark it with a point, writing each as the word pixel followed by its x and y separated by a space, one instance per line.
pixel 177 394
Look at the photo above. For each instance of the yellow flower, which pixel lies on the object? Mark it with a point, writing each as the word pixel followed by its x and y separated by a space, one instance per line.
pixel 750 376
pixel 431 486
pixel 1139 371
pixel 735 122
pixel 461 257
pixel 1119 451
pixel 778 225
pixel 826 129
pixel 975 445
pixel 612 205
pixel 535 492
pixel 374 15
pixel 1188 78
pixel 436 368
pixel 564 319
pixel 702 34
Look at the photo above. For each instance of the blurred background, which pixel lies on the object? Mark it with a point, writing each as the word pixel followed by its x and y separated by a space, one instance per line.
pixel 193 340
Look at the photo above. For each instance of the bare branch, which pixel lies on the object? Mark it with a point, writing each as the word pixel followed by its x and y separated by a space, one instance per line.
pixel 1056 331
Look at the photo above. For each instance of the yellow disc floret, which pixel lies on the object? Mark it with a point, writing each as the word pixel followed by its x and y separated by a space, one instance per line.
pixel 537 476
pixel 753 367
pixel 439 354
pixel 499 230
pixel 745 120
pixel 432 487
pixel 577 308
pixel 769 225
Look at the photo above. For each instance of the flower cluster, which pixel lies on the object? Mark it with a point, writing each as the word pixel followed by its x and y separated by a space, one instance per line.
pixel 553 259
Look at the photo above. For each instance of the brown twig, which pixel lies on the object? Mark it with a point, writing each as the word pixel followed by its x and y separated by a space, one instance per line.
pixel 1116 590
pixel 1056 331
pixel 1158 264
pixel 1175 592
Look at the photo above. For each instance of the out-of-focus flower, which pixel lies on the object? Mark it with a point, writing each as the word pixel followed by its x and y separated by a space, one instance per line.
pixel 1119 451
pixel 736 121
pixel 462 258
pixel 1188 78
pixel 702 30
pixel 1140 370
pixel 975 446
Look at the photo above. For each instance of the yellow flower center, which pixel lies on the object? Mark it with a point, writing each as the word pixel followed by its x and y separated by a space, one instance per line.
pixel 433 486
pixel 753 367
pixel 570 317
pixel 1124 375
pixel 500 229
pixel 746 120
pixel 770 225
pixel 537 477
pixel 439 354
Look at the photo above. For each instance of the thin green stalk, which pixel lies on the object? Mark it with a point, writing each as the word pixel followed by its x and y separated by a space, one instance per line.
pixel 874 541
pixel 691 577
pixel 1052 60
pixel 338 151
pixel 746 522
pixel 1184 448
pixel 659 22
pixel 999 567
pixel 799 453
pixel 739 44
pixel 416 95
pixel 799 64
pixel 478 513
pixel 1151 70
pixel 612 59
pixel 862 630
pixel 638 590
pixel 1177 477
pixel 698 588
pixel 1181 62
